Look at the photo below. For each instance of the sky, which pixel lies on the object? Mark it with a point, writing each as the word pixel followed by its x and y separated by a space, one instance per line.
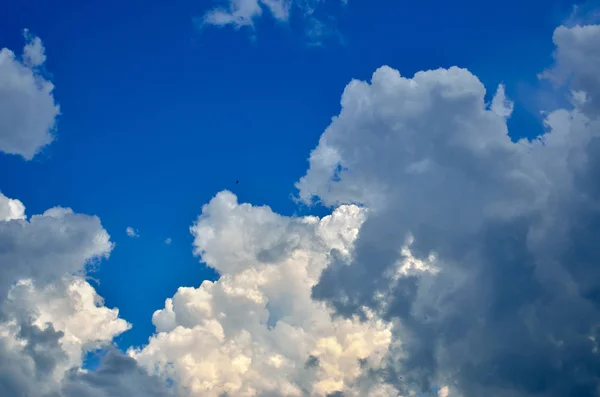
pixel 415 213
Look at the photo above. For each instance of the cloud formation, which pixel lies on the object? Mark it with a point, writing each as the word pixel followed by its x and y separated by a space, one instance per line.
pixel 244 14
pixel 27 108
pixel 131 232
pixel 472 260
pixel 50 316
pixel 45 247
pixel 256 331
pixel 239 13
pixel 455 262
pixel 513 308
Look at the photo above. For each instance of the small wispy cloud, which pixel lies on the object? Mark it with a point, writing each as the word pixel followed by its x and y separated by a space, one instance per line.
pixel 168 241
pixel 131 232
pixel 244 13
pixel 240 13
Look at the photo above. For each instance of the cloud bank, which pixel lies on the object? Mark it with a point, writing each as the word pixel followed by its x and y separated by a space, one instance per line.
pixel 514 307
pixel 27 107
pixel 470 257
pixel 455 262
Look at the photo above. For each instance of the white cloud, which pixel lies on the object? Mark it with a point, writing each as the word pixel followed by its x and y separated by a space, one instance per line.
pixel 279 8
pixel 501 105
pixel 470 262
pixel 237 13
pixel 74 308
pixel 240 13
pixel 258 318
pixel 168 240
pixel 11 209
pixel 131 232
pixel 50 316
pixel 444 392
pixel 34 51
pixel 454 257
pixel 27 108
pixel 49 246
pixel 244 13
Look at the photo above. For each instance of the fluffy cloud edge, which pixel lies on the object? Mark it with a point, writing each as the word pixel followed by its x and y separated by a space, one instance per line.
pixel 29 112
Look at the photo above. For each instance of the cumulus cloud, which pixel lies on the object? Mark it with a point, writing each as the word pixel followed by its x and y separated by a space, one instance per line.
pixel 256 331
pixel 30 360
pixel 50 316
pixel 27 108
pixel 577 56
pixel 11 209
pixel 456 261
pixel 45 247
pixel 512 308
pixel 131 232
pixel 46 331
pixel 74 308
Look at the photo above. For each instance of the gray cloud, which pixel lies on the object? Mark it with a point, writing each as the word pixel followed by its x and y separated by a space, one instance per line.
pixel 117 376
pixel 311 362
pixel 481 251
pixel 514 308
pixel 27 108
pixel 25 371
pixel 47 246
pixel 28 371
pixel 48 317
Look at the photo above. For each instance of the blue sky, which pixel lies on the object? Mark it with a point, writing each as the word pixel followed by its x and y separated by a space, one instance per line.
pixel 158 114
